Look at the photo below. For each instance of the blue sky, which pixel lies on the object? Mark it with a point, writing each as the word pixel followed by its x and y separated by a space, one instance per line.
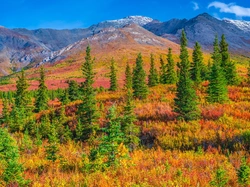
pixel 62 14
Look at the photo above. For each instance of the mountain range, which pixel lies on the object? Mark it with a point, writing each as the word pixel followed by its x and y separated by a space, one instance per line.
pixel 22 47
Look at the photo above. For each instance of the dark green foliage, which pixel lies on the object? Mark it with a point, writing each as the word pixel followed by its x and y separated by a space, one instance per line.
pixel 171 77
pixel 163 72
pixel 17 119
pixel 225 58
pixel 73 90
pixel 65 97
pixel 52 148
pixel 9 156
pixel 246 139
pixel 153 75
pixel 232 76
pixel 128 77
pixel 42 93
pixel 197 64
pixel 22 99
pixel 45 126
pixel 228 67
pixel 220 179
pixel 112 139
pixel 113 78
pixel 87 111
pixel 21 113
pixel 130 130
pixel 139 83
pixel 38 141
pixel 243 173
pixel 217 89
pixel 186 99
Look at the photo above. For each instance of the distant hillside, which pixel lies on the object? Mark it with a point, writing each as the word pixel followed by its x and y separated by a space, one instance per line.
pixel 203 28
pixel 21 47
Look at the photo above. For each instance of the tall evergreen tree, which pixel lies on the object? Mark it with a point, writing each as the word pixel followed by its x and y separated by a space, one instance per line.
pixel 232 76
pixel 21 113
pixel 227 65
pixel 128 77
pixel 186 99
pixel 87 111
pixel 113 77
pixel 217 89
pixel 73 91
pixel 163 72
pixel 197 64
pixel 21 98
pixel 225 58
pixel 42 93
pixel 110 142
pixel 128 127
pixel 65 97
pixel 9 160
pixel 153 75
pixel 139 83
pixel 52 148
pixel 170 72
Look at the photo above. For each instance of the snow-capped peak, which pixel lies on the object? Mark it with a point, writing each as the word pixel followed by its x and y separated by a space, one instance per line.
pixel 243 25
pixel 139 20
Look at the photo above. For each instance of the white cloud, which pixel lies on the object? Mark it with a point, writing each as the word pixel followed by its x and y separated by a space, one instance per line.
pixel 195 5
pixel 231 8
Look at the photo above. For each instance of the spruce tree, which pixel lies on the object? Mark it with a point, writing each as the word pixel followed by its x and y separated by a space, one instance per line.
pixel 110 142
pixel 21 99
pixel 243 173
pixel 87 111
pixel 186 99
pixel 52 149
pixel 113 78
pixel 139 83
pixel 227 65
pixel 232 76
pixel 208 70
pixel 128 127
pixel 225 58
pixel 21 113
pixel 153 75
pixel 65 97
pixel 197 64
pixel 9 155
pixel 170 72
pixel 217 89
pixel 128 77
pixel 163 72
pixel 73 91
pixel 42 93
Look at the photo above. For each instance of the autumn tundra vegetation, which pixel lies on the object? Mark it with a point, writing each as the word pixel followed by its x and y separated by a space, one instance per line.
pixel 180 124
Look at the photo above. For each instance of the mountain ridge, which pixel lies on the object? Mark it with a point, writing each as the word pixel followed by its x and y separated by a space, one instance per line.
pixel 20 47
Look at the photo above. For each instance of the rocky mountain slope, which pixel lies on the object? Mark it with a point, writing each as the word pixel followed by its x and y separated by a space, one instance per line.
pixel 21 47
pixel 131 38
pixel 203 28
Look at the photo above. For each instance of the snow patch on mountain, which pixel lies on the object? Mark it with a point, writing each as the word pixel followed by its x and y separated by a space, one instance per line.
pixel 139 20
pixel 243 25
